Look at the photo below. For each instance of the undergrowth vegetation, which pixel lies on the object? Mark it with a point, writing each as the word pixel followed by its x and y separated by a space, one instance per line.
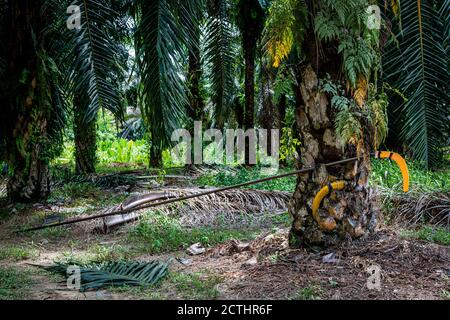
pixel 16 253
pixel 158 233
pixel 387 175
pixel 429 234
pixel 15 283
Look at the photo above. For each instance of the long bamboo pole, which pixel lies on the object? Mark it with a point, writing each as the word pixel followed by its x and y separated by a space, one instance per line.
pixel 192 196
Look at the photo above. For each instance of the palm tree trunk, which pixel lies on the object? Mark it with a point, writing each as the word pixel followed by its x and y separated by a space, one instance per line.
pixel 282 105
pixel 196 105
pixel 85 144
pixel 28 133
pixel 156 160
pixel 269 117
pixel 249 112
pixel 353 210
pixel 31 178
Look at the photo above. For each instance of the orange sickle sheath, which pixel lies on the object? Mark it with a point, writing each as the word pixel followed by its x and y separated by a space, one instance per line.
pixel 400 162
pixel 328 224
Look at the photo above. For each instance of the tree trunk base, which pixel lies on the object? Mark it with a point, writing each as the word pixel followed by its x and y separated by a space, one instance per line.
pixel 355 213
pixel 30 183
pixel 343 215
pixel 85 145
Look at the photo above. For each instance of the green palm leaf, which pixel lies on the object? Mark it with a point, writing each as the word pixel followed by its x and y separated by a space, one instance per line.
pixel 160 40
pixel 220 53
pixel 419 68
pixel 96 276
pixel 93 56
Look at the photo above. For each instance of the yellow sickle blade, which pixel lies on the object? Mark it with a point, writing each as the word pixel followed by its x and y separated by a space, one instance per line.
pixel 401 164
pixel 329 224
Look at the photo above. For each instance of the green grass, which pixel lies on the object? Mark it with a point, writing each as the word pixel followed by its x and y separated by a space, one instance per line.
pixel 116 252
pixel 16 253
pixel 76 190
pixel 85 197
pixel 196 286
pixel 445 294
pixel 109 168
pixel 429 234
pixel 387 174
pixel 14 284
pixel 96 253
pixel 159 233
pixel 312 292
pixel 178 285
pixel 245 175
pixel 282 220
pixel 109 148
pixel 54 233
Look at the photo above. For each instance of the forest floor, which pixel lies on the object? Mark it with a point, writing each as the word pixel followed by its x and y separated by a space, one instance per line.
pixel 249 259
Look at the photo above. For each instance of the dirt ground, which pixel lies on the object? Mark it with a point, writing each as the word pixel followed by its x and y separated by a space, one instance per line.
pixel 266 268
pixel 263 268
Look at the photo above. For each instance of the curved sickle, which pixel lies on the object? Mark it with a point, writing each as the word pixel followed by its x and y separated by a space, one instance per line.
pixel 329 224
pixel 400 162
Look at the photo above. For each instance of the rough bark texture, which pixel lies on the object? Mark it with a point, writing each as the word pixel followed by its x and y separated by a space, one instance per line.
pixel 196 106
pixel 282 105
pixel 249 111
pixel 238 109
pixel 251 25
pixel 31 178
pixel 85 144
pixel 353 209
pixel 27 134
pixel 269 117
pixel 155 157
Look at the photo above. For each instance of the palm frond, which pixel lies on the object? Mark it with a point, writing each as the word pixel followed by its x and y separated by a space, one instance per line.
pixel 190 14
pixel 285 28
pixel 99 275
pixel 419 68
pixel 93 56
pixel 235 206
pixel 159 42
pixel 220 53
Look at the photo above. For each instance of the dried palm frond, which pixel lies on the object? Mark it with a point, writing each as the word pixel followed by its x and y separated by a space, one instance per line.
pixel 2 188
pixel 414 208
pixel 232 206
pixel 360 94
pixel 204 169
pixel 95 276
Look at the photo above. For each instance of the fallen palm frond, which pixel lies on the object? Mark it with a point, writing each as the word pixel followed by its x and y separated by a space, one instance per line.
pixel 2 188
pixel 96 276
pixel 421 207
pixel 231 206
pixel 198 170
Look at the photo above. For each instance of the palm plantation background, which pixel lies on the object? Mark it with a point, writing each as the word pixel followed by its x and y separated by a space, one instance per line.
pixel 228 63
pixel 78 103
